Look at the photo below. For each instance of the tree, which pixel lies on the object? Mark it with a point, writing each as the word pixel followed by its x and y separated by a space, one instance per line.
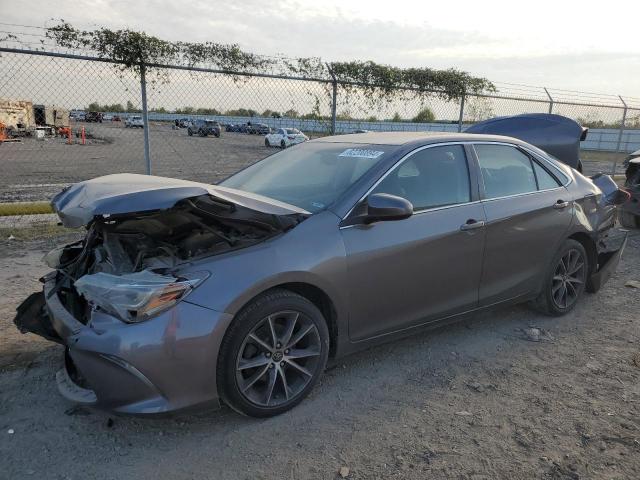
pixel 130 107
pixel 291 113
pixel 396 117
pixel 425 115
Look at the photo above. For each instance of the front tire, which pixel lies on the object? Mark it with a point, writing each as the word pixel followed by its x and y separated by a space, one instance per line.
pixel 565 280
pixel 190 132
pixel 266 142
pixel 273 354
pixel 283 145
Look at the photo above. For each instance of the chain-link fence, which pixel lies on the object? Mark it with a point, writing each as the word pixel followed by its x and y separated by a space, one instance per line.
pixel 69 118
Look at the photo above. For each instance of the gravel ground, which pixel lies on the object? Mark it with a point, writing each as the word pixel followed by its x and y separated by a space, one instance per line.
pixel 37 170
pixel 486 398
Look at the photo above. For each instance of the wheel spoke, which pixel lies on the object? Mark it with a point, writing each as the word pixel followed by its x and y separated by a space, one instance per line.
pixel 285 386
pixel 271 383
pixel 303 353
pixel 576 268
pixel 298 367
pixel 574 280
pixel 274 338
pixel 254 378
pixel 260 342
pixel 254 362
pixel 291 325
pixel 556 287
pixel 300 335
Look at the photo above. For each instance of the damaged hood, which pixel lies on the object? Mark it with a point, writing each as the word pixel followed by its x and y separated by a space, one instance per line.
pixel 130 193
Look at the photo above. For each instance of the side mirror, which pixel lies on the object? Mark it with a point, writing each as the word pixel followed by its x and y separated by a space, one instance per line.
pixel 382 207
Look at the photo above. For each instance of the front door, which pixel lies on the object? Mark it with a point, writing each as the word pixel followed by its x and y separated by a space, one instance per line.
pixel 407 272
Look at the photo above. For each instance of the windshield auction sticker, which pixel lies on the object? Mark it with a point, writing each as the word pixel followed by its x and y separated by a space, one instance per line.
pixel 360 153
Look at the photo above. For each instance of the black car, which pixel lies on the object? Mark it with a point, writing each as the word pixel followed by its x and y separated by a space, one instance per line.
pixel 231 127
pixel 630 212
pixel 204 128
pixel 257 129
pixel 182 122
pixel 93 117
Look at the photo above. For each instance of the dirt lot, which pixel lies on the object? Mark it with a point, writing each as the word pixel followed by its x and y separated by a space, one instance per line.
pixel 36 170
pixel 477 400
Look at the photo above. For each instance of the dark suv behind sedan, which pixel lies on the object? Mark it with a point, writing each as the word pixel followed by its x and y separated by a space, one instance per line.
pixel 204 128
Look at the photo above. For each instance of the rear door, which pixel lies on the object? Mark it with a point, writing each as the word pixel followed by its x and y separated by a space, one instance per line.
pixel 528 213
pixel 407 272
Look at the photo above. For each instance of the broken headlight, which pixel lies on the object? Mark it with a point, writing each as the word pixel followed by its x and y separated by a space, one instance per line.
pixel 135 297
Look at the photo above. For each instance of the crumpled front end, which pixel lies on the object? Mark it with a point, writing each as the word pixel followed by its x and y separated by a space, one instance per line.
pixel 119 301
pixel 140 368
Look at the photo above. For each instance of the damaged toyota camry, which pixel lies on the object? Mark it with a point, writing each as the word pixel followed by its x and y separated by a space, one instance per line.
pixel 183 294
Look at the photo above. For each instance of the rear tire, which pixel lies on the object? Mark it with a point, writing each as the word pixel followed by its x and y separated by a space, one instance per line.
pixel 565 281
pixel 283 145
pixel 190 132
pixel 266 142
pixel 273 354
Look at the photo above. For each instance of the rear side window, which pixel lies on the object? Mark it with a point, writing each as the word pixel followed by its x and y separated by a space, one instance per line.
pixel 505 171
pixel 545 179
pixel 433 177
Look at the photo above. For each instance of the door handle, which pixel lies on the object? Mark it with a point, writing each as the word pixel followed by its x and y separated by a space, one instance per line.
pixel 471 224
pixel 560 204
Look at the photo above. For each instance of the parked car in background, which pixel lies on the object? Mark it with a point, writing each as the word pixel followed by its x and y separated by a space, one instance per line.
pixel 107 117
pixel 232 127
pixel 630 212
pixel 183 122
pixel 134 121
pixel 183 293
pixel 257 129
pixel 204 128
pixel 77 116
pixel 116 118
pixel 284 137
pixel 95 117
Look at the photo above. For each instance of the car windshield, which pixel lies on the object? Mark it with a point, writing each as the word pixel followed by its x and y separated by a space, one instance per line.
pixel 310 175
pixel 292 131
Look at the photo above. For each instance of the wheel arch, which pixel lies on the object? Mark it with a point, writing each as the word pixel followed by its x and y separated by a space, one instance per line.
pixel 590 247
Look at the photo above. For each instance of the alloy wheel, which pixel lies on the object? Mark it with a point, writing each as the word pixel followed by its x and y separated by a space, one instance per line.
pixel 278 358
pixel 568 279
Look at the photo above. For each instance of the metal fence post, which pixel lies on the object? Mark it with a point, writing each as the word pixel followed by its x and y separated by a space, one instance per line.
pixel 620 132
pixel 334 99
pixel 145 117
pixel 461 116
pixel 550 99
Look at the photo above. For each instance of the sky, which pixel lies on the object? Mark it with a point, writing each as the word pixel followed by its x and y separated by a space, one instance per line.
pixel 575 45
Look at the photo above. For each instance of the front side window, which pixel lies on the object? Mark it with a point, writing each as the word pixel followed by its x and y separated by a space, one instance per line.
pixel 505 171
pixel 430 178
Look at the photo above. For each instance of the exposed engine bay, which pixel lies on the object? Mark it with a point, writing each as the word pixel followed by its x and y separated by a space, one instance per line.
pixel 137 252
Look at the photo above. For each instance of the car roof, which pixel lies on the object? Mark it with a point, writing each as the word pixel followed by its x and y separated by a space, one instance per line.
pixel 404 138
